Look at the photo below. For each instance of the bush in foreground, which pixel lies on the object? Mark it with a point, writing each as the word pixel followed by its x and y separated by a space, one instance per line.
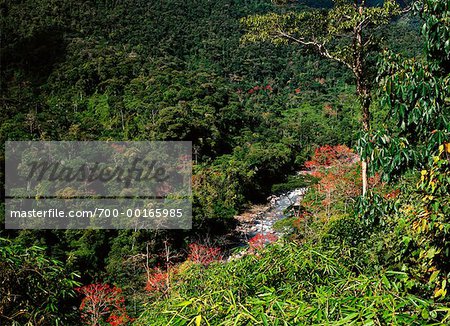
pixel 288 284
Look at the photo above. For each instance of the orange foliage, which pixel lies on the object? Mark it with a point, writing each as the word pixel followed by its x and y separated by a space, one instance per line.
pixel 327 156
pixel 338 173
pixel 157 281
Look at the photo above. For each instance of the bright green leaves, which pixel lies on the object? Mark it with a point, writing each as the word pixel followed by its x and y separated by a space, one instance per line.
pixel 291 285
pixel 417 94
pixel 430 221
pixel 99 108
pixel 33 286
pixel 390 154
pixel 345 16
pixel 330 31
pixel 282 28
pixel 436 28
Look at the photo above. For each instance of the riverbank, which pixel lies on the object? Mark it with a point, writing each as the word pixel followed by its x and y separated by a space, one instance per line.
pixel 260 219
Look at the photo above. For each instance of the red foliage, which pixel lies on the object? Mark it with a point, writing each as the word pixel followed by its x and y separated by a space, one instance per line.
pixel 340 179
pixel 117 320
pixel 326 156
pixel 260 88
pixel 297 90
pixel 338 173
pixel 260 240
pixel 103 302
pixel 204 255
pixel 375 180
pixel 157 281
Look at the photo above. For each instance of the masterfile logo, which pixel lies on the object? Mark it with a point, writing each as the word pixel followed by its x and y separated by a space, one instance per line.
pixel 98 184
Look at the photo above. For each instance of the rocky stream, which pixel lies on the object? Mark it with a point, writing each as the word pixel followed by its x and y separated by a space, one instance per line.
pixel 261 218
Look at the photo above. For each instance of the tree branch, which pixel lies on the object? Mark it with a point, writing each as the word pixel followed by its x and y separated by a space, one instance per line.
pixel 319 46
pixel 362 23
pixel 406 10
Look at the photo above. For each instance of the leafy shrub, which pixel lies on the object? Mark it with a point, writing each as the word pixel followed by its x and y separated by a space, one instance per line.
pixel 33 288
pixel 157 281
pixel 204 255
pixel 425 214
pixel 289 284
pixel 260 240
pixel 102 304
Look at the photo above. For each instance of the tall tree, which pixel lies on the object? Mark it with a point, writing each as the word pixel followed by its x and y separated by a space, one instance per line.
pixel 417 94
pixel 342 33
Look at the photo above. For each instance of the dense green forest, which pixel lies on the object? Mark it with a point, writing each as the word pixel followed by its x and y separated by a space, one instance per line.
pixel 258 108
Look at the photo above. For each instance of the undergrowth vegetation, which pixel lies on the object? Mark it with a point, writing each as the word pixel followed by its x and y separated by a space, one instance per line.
pixel 316 282
pixel 344 271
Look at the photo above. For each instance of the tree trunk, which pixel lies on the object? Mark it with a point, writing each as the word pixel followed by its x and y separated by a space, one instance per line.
pixel 364 96
pixel 362 88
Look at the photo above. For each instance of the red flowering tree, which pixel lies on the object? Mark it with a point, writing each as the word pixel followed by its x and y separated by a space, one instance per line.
pixel 159 278
pixel 260 240
pixel 339 176
pixel 340 182
pixel 202 254
pixel 328 156
pixel 158 281
pixel 103 304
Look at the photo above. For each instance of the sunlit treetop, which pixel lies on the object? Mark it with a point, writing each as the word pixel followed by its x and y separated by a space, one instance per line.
pixel 328 30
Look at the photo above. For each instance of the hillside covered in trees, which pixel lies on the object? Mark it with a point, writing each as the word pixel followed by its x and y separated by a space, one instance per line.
pixel 275 96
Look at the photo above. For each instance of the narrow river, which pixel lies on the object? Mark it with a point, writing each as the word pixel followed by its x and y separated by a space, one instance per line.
pixel 261 218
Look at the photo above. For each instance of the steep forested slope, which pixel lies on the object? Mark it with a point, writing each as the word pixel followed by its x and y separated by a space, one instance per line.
pixel 168 70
